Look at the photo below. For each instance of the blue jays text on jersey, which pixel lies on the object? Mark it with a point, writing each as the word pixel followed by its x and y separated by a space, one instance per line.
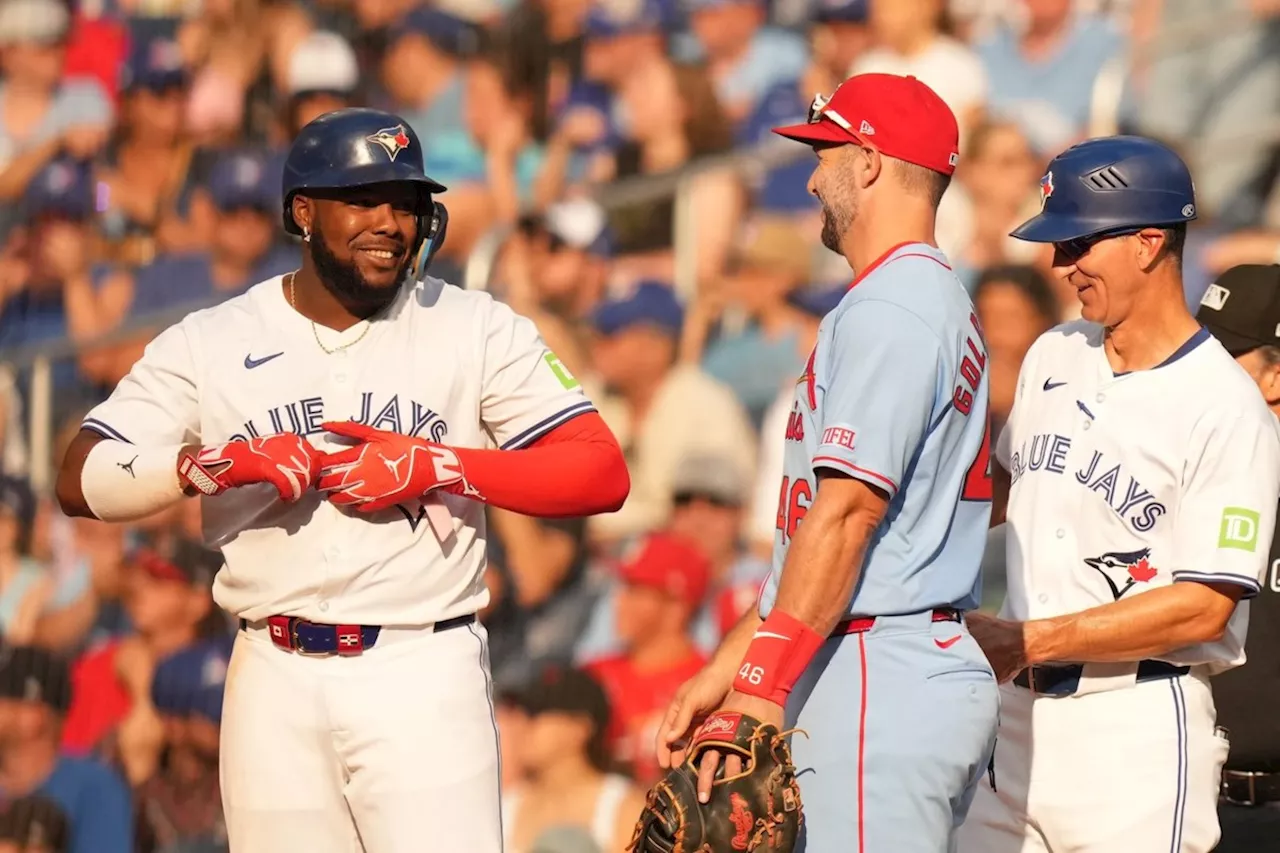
pixel 1105 477
pixel 305 417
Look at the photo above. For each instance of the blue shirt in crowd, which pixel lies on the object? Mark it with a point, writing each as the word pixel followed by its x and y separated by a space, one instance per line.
pixel 97 804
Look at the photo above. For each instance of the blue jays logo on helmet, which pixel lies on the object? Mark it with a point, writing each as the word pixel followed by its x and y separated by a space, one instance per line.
pixel 1046 188
pixel 392 139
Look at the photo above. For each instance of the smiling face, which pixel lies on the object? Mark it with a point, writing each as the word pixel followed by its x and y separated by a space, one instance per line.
pixel 362 238
pixel 1106 272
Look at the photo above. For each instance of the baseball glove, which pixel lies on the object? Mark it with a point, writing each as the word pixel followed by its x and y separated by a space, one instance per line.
pixel 757 809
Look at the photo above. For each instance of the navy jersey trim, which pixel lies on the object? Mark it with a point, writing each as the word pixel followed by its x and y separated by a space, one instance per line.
pixel 544 426
pixel 1181 352
pixel 103 429
pixel 1251 586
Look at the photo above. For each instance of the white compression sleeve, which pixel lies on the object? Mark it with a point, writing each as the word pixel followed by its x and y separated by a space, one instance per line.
pixel 124 482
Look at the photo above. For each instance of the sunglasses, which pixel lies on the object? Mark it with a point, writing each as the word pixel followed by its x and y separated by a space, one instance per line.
pixel 1078 247
pixel 819 108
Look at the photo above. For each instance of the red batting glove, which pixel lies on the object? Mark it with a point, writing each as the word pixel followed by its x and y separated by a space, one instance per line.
pixel 286 461
pixel 385 469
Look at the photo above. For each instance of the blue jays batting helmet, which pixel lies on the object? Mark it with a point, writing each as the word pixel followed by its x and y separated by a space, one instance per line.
pixel 357 147
pixel 1110 185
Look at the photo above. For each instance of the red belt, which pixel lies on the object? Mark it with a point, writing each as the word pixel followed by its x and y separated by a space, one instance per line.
pixel 864 623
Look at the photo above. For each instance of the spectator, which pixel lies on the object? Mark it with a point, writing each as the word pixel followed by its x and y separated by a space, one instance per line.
pixel 512 721
pixel 772 261
pixel 910 41
pixel 710 509
pixel 147 164
pixel 1044 71
pixel 180 807
pixel 783 190
pixel 556 272
pixel 658 410
pixel 996 188
pixel 1211 94
pixel 710 494
pixel 423 71
pixel 41 115
pixel 27 588
pixel 665 581
pixel 49 294
pixel 535 574
pixel 35 693
pixel 674 119
pixel 169 603
pixel 244 189
pixel 839 36
pixel 33 825
pixel 1015 306
pixel 568 783
pixel 323 76
pixel 744 57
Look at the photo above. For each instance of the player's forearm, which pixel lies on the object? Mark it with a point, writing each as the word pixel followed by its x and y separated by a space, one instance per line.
pixel 576 470
pixel 114 481
pixel 824 562
pixel 1131 629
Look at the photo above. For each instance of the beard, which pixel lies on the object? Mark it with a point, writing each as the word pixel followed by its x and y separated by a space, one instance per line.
pixel 836 222
pixel 344 280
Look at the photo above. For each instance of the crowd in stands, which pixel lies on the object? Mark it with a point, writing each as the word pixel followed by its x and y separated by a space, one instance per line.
pixel 141 145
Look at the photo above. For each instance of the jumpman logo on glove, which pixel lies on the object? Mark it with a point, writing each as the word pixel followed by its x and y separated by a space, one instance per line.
pixel 386 469
pixel 286 461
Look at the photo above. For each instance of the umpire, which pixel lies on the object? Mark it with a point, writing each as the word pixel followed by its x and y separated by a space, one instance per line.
pixel 1242 310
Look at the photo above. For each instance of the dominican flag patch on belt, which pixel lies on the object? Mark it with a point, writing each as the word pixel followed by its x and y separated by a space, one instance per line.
pixel 350 640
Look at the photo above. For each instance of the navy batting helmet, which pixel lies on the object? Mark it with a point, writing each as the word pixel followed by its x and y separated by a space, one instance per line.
pixel 357 147
pixel 1110 185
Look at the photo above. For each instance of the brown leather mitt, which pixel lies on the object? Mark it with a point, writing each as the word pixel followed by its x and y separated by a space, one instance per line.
pixel 757 810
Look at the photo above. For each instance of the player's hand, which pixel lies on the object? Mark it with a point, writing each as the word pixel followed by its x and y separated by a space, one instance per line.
pixel 693 702
pixel 287 461
pixel 385 469
pixel 740 703
pixel 1003 642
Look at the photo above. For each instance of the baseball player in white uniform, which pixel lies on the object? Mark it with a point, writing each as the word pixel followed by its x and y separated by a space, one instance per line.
pixel 323 417
pixel 1143 466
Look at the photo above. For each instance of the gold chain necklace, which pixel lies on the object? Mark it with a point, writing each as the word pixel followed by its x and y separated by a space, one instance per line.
pixel 316 332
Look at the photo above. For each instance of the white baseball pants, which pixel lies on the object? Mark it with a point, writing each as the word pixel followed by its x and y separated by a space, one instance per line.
pixel 1130 770
pixel 391 751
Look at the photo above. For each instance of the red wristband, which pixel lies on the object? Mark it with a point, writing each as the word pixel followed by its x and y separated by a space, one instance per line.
pixel 779 652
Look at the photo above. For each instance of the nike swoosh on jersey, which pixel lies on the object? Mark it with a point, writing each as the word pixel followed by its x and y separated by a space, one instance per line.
pixel 946 644
pixel 770 634
pixel 1049 384
pixel 250 362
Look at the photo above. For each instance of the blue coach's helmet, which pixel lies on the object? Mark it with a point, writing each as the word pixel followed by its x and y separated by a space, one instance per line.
pixel 357 147
pixel 1109 185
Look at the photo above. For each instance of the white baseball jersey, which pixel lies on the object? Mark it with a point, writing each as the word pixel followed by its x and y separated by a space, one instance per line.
pixel 444 364
pixel 1125 483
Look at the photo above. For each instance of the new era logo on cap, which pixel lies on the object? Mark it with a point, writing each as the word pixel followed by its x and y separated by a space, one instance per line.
pixel 866 129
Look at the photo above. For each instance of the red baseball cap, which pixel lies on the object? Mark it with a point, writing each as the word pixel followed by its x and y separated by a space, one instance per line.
pixel 670 563
pixel 899 116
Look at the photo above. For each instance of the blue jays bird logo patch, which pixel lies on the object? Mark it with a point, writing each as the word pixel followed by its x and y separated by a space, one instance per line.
pixel 392 139
pixel 1122 569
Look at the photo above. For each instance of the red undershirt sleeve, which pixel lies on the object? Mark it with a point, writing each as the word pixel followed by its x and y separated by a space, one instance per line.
pixel 576 469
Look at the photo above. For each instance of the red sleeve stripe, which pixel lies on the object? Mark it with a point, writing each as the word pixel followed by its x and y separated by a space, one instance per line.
pixel 860 473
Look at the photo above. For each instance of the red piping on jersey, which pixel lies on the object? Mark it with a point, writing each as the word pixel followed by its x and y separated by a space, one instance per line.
pixel 871 267
pixel 574 470
pixel 851 467
pixel 862 746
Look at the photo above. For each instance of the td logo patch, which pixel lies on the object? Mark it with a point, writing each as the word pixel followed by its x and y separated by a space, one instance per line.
pixel 1239 529
pixel 566 379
